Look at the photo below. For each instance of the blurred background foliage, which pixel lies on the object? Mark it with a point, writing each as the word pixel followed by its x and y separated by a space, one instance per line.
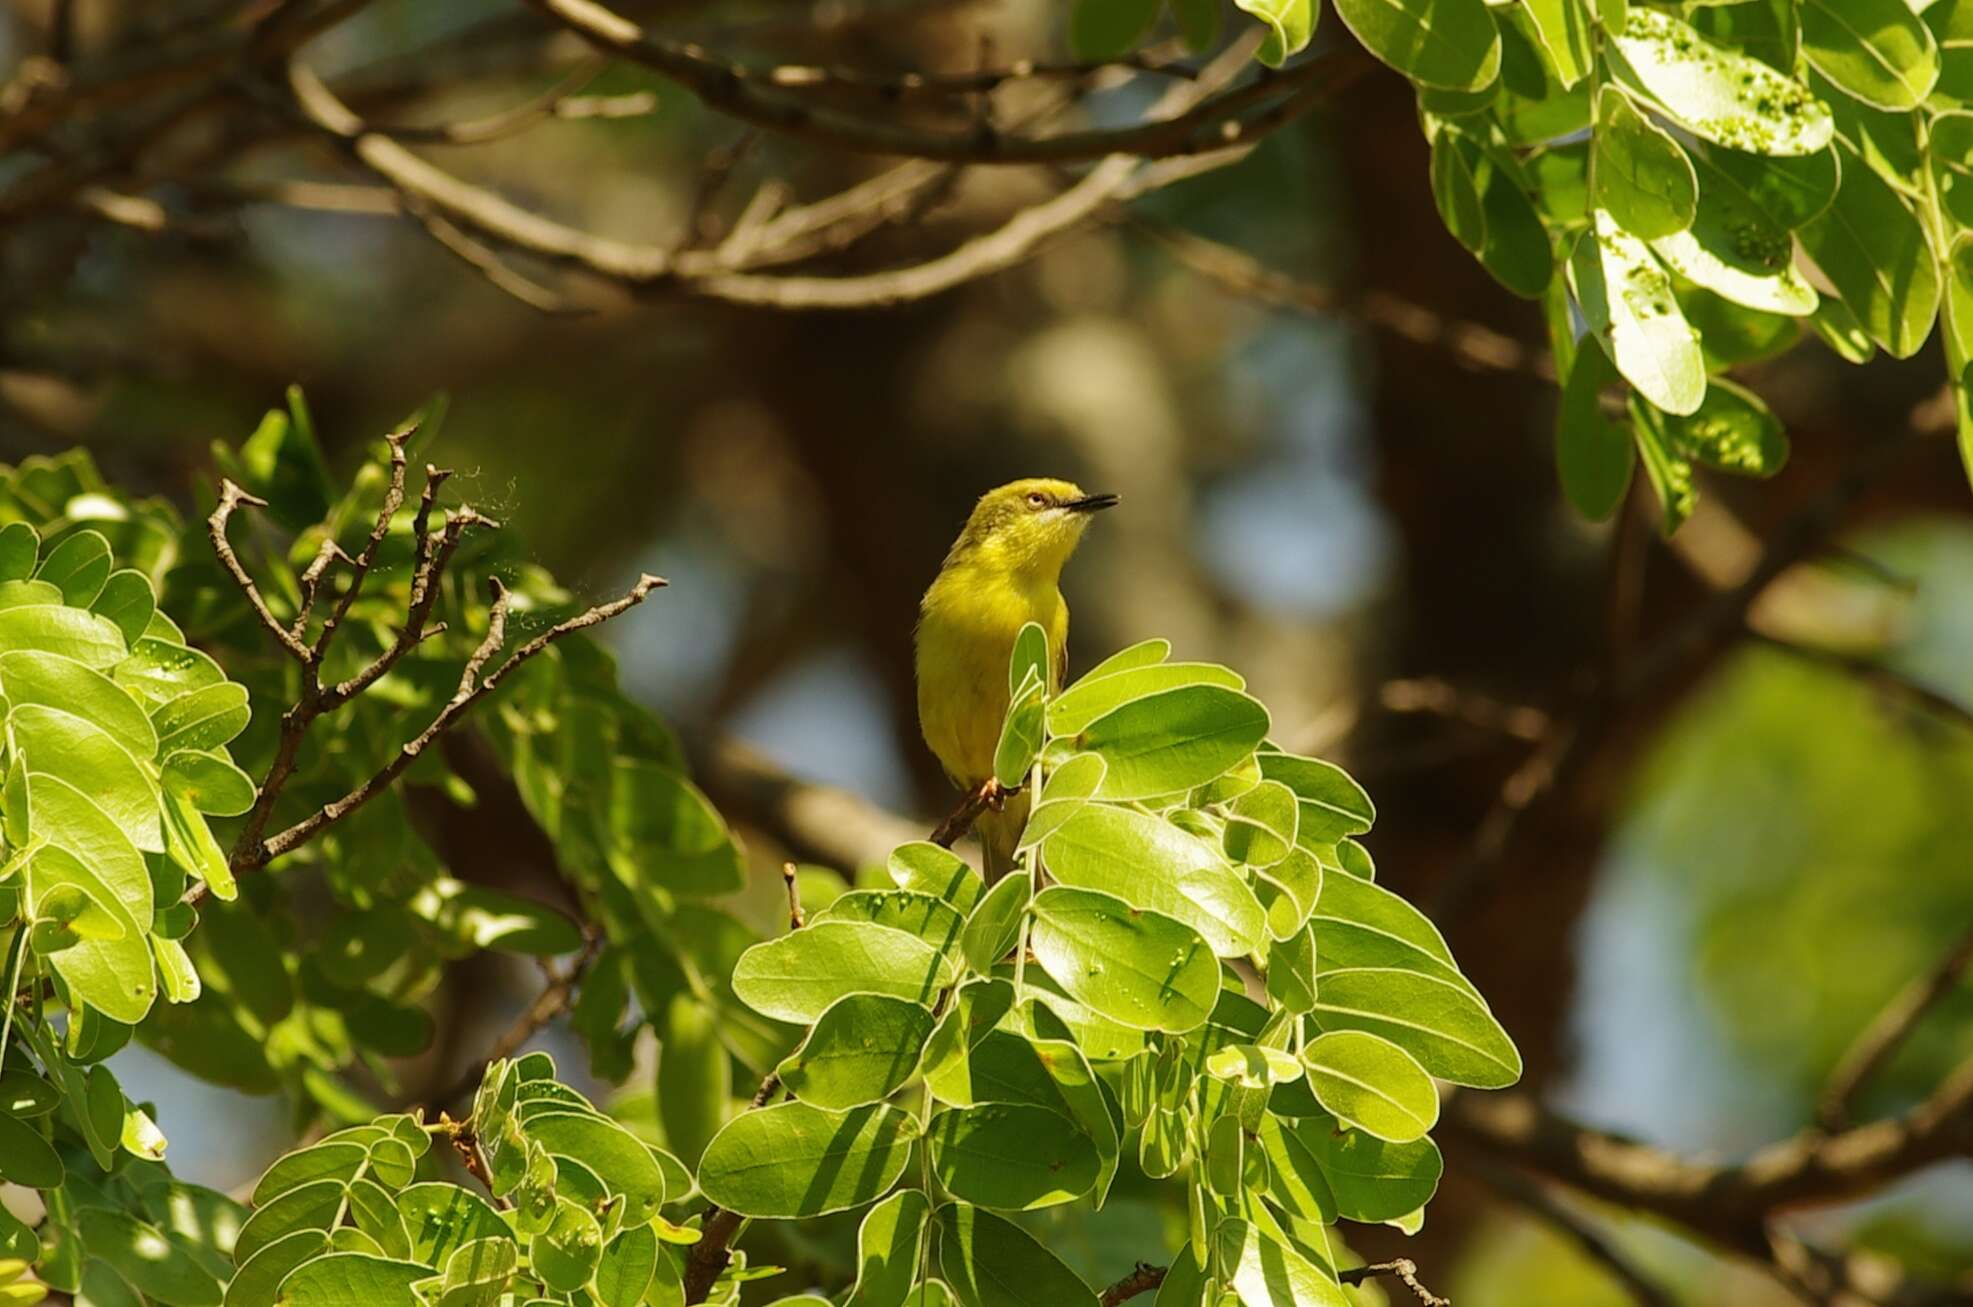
pixel 1683 946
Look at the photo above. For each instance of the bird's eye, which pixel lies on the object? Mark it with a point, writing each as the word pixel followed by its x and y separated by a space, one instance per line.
pixel 1037 500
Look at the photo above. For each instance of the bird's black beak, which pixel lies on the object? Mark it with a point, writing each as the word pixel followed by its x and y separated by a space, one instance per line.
pixel 1090 503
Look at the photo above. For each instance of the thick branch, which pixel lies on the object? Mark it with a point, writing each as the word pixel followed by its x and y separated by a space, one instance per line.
pixel 1729 1204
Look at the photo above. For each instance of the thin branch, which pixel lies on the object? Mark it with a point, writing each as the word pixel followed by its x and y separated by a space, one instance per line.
pixel 1472 345
pixel 1875 673
pixel 486 261
pixel 393 500
pixel 764 101
pixel 1439 698
pixel 709 274
pixel 1143 1278
pixel 953 828
pixel 1579 1231
pixel 795 919
pixel 555 998
pixel 471 690
pixel 230 498
pixel 1888 1031
pixel 1575 734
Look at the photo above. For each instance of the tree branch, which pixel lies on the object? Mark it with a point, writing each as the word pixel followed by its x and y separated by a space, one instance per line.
pixel 741 93
pixel 1526 1193
pixel 1146 1278
pixel 1888 1031
pixel 555 999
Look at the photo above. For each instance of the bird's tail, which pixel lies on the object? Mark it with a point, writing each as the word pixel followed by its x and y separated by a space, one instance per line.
pixel 999 833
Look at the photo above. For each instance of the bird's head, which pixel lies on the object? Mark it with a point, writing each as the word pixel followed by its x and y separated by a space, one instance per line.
pixel 1029 526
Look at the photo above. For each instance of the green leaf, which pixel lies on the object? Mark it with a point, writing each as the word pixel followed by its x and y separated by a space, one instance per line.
pixel 259 1277
pixel 1150 863
pixel 1105 29
pixel 1361 925
pixel 127 600
pixel 201 719
pixel 476 1274
pixel 695 1076
pixel 1733 431
pixel 795 1160
pixel 281 463
pixel 1141 654
pixel 1372 1084
pixel 157 1267
pixel 1791 191
pixel 489 918
pixel 1669 472
pixel 305 1207
pixel 345 1279
pixel 71 632
pixel 1642 178
pixel 929 869
pixel 209 783
pixel 1877 50
pixel 1951 22
pixel 617 1157
pixel 1251 1066
pixel 62 683
pixel 1139 968
pixel 863 1048
pixel 664 829
pixel 1875 251
pixel 442 1218
pixel 1101 692
pixel 991 1262
pixel 157 671
pixel 1333 804
pixel 1267 1273
pixel 928 917
pixel 1029 659
pixel 1020 733
pixel 888 1250
pixel 1715 93
pixel 1262 824
pixel 1372 1180
pixel 566 1254
pixel 1562 29
pixel 1457 188
pixel 995 925
pixel 1949 153
pixel 73 749
pixel 1445 43
pixel 78 566
pixel 1735 249
pixel 1627 300
pixel 1295 1182
pixel 797 977
pixel 1290 24
pixel 26 1157
pixel 629 1263
pixel 1174 740
pixel 1444 1025
pixel 1593 455
pixel 1012 1156
pixel 19 545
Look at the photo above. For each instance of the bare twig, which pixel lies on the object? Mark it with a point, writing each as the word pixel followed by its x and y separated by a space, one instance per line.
pixel 795 919
pixel 1889 1030
pixel 987 794
pixel 1143 1278
pixel 230 499
pixel 763 100
pixel 471 690
pixel 1472 345
pixel 1429 694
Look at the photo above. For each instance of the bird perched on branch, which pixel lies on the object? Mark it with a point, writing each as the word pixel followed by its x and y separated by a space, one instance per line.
pixel 1000 575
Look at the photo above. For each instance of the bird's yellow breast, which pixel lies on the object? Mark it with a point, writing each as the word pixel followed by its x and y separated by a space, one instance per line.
pixel 965 638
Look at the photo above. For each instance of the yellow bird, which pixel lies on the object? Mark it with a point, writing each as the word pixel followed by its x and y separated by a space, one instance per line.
pixel 1001 574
